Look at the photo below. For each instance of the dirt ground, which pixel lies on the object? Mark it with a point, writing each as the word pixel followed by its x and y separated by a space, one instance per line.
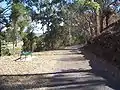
pixel 51 70
pixel 42 62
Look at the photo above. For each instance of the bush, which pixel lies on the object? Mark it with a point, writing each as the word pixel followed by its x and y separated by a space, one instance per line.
pixel 4 49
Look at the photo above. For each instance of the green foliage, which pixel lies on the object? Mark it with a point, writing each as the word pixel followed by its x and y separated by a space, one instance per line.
pixel 29 41
pixel 88 3
pixel 40 45
pixel 4 49
pixel 94 5
pixel 81 2
pixel 19 16
pixel 18 9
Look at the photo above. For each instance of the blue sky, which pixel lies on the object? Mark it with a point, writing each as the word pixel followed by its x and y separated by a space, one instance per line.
pixel 3 4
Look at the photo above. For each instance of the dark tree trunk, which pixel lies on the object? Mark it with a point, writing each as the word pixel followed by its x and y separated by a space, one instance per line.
pixel 107 19
pixel 101 23
pixel 16 43
pixel 0 47
pixel 13 47
pixel 98 23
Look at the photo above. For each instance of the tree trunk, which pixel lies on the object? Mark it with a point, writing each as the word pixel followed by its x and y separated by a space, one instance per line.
pixel 70 36
pixel 13 47
pixel 0 47
pixel 107 19
pixel 16 43
pixel 14 37
pixel 98 23
pixel 101 22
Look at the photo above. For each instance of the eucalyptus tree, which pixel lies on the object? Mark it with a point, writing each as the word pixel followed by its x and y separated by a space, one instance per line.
pixel 102 9
pixel 13 15
pixel 107 9
pixel 19 17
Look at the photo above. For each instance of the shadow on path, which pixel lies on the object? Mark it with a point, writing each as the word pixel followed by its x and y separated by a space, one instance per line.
pixel 66 79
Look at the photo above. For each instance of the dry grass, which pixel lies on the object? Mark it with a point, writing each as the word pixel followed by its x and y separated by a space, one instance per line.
pixel 8 65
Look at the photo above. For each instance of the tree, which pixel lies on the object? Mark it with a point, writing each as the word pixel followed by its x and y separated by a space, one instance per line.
pixel 29 39
pixel 18 15
pixel 50 17
pixel 101 9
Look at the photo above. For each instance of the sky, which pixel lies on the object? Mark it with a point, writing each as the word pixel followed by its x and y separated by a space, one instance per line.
pixel 3 4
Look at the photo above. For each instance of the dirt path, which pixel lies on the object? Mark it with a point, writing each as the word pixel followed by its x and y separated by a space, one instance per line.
pixel 53 70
